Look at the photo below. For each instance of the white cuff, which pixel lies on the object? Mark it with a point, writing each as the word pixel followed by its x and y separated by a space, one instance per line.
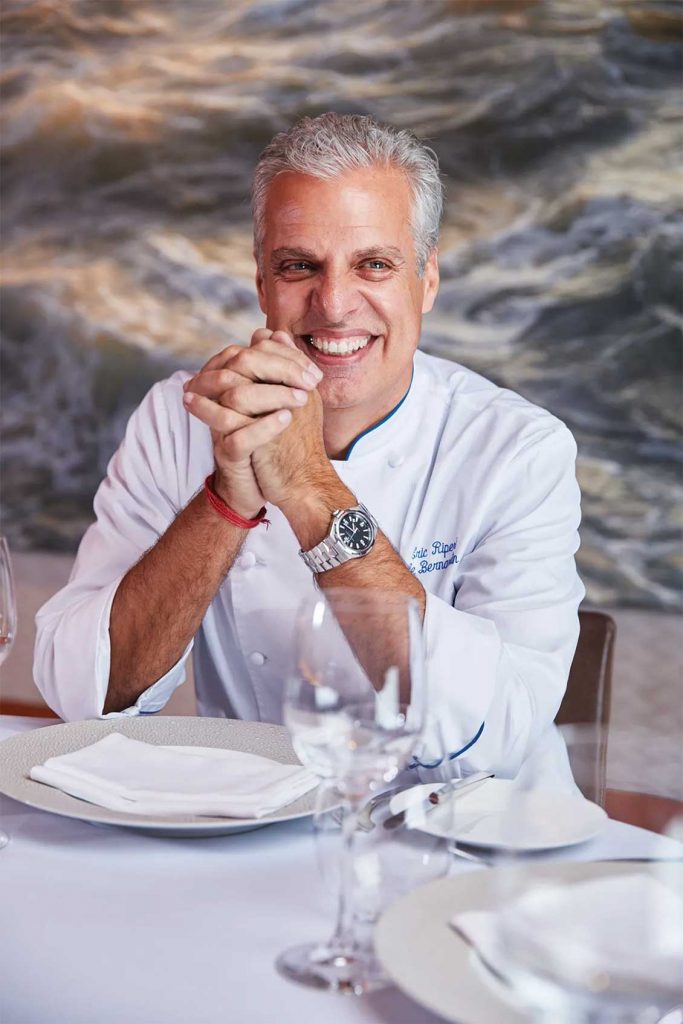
pixel 156 696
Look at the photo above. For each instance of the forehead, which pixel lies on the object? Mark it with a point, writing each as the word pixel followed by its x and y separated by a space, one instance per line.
pixel 367 206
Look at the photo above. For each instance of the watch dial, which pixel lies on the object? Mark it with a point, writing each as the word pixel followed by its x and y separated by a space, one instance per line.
pixel 355 531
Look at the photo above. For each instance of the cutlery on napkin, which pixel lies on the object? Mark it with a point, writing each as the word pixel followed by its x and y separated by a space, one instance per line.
pixel 590 934
pixel 128 775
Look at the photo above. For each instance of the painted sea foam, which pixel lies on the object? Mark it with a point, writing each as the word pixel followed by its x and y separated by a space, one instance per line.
pixel 130 133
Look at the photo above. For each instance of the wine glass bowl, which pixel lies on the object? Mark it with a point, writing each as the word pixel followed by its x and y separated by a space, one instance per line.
pixel 8 608
pixel 8 620
pixel 354 705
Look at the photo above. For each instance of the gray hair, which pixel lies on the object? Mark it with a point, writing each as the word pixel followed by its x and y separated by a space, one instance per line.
pixel 327 146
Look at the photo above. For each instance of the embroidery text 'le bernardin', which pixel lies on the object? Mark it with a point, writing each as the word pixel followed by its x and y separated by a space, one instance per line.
pixel 440 555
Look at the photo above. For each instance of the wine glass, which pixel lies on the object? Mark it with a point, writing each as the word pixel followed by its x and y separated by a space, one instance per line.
pixel 355 708
pixel 8 620
pixel 594 942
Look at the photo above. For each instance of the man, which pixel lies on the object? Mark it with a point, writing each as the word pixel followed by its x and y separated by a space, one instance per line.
pixel 330 406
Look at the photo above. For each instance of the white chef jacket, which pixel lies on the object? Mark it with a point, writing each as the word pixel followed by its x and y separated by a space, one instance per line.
pixel 474 487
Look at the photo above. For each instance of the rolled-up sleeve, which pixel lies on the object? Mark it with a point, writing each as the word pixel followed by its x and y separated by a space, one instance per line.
pixel 499 656
pixel 134 505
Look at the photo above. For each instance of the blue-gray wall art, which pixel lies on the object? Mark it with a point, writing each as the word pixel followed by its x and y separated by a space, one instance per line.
pixel 130 134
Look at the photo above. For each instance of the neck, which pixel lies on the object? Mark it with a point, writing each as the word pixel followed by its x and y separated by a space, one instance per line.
pixel 339 431
pixel 341 427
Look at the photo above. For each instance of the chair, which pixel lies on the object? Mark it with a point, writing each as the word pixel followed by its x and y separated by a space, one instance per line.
pixel 587 698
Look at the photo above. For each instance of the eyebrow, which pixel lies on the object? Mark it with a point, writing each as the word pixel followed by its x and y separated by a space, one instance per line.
pixel 285 253
pixel 374 252
pixel 377 251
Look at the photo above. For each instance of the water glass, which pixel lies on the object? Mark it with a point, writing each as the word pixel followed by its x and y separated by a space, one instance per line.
pixel 597 942
pixel 355 708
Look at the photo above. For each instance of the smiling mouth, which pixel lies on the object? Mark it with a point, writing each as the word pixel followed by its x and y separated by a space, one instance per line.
pixel 339 346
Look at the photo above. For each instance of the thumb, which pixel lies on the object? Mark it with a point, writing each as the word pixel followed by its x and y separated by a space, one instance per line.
pixel 284 338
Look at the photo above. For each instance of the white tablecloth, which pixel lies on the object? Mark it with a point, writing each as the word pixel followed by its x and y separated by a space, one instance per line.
pixel 103 926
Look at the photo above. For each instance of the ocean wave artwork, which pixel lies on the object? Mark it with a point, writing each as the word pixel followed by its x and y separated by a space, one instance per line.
pixel 130 131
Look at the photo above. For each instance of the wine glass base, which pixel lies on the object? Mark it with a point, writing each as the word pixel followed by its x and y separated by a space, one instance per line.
pixel 320 967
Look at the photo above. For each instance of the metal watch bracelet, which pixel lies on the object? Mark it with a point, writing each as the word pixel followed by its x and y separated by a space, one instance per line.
pixel 322 557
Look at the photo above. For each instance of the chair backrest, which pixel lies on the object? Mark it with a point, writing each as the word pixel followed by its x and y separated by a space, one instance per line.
pixel 587 699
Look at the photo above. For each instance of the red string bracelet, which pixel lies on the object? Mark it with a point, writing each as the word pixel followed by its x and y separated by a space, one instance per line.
pixel 227 513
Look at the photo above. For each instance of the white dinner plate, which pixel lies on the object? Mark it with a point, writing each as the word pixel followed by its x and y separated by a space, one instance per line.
pixel 436 967
pixel 19 754
pixel 497 815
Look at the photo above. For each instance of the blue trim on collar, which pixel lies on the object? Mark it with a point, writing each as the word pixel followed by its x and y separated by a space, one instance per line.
pixel 435 764
pixel 384 418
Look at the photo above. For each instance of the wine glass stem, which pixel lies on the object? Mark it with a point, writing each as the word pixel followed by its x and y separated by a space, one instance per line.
pixel 343 937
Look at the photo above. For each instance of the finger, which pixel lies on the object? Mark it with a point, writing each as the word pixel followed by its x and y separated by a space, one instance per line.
pixel 257 399
pixel 241 436
pixel 278 349
pixel 271 363
pixel 279 340
pixel 221 358
pixel 262 334
pixel 243 443
pixel 283 338
pixel 218 418
pixel 213 383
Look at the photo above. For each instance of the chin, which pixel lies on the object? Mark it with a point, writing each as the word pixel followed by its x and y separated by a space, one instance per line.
pixel 337 394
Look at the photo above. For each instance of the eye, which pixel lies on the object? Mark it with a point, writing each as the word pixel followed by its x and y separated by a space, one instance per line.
pixel 376 265
pixel 296 266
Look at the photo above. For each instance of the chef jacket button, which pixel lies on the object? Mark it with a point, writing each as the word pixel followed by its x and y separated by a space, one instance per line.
pixel 247 560
pixel 256 658
pixel 396 459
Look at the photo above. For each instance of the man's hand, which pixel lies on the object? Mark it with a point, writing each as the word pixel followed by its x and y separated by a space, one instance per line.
pixel 246 396
pixel 294 464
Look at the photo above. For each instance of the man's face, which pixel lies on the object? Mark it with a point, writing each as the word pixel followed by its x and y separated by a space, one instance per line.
pixel 338 269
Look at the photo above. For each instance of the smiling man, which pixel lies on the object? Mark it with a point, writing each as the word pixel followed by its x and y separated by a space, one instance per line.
pixel 376 466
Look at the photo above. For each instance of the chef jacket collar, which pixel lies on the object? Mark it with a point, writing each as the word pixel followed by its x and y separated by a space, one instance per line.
pixel 375 437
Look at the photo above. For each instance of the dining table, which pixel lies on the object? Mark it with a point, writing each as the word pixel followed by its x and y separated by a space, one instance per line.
pixel 104 925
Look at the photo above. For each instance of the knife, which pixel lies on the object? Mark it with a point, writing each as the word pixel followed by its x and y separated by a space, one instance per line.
pixel 437 796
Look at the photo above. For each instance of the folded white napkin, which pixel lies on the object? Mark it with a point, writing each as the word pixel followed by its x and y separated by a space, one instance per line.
pixel 140 778
pixel 624 933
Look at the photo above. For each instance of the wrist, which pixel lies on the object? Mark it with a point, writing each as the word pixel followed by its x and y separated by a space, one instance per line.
pixel 245 508
pixel 309 512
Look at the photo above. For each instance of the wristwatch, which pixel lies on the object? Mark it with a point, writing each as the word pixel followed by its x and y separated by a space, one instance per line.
pixel 352 534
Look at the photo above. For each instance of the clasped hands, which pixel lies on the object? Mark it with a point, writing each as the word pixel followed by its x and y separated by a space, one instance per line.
pixel 265 415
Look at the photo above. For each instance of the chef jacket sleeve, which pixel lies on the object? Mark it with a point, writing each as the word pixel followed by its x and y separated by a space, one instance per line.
pixel 134 505
pixel 499 656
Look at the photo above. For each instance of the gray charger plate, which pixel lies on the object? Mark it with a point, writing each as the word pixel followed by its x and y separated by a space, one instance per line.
pixel 19 754
pixel 436 967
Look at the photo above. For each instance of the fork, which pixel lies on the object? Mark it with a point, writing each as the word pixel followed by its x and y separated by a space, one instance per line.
pixel 364 822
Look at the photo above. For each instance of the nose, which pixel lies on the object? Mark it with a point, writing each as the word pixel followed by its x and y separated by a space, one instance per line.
pixel 335 296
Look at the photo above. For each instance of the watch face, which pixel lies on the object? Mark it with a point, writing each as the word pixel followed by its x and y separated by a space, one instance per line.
pixel 355 531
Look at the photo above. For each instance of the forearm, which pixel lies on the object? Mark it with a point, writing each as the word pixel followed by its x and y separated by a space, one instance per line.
pixel 381 569
pixel 161 601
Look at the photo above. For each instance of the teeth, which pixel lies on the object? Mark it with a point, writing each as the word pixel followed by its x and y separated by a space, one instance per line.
pixel 343 347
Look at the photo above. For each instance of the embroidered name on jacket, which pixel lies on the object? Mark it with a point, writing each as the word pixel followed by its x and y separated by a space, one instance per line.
pixel 439 555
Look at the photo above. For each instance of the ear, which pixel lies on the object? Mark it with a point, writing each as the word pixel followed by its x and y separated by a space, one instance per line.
pixel 261 291
pixel 430 281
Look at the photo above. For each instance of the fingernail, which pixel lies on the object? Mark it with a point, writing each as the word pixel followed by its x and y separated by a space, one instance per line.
pixel 188 398
pixel 311 379
pixel 299 396
pixel 284 416
pixel 316 371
